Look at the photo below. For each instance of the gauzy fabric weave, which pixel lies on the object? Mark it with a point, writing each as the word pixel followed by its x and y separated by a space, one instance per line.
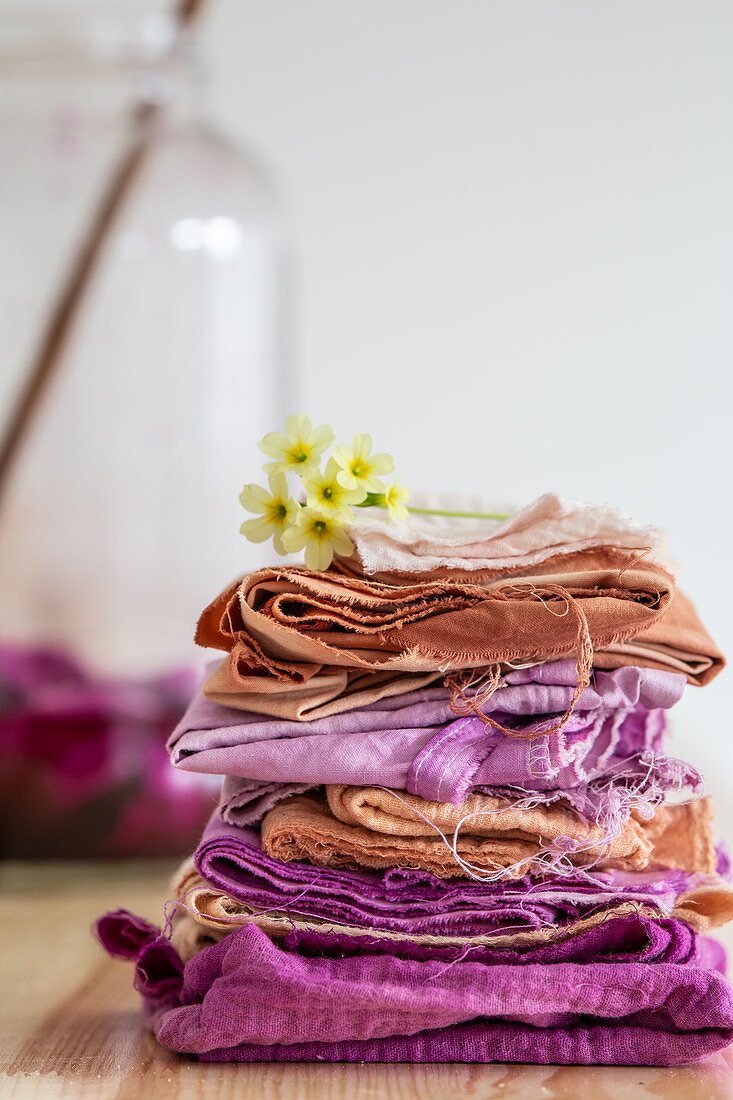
pixel 237 999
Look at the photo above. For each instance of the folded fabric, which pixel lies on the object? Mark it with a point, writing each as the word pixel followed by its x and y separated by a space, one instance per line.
pixel 549 526
pixel 638 784
pixel 680 836
pixel 678 643
pixel 503 843
pixel 416 742
pixel 245 992
pixel 232 860
pixel 203 915
pixel 618 938
pixel 301 642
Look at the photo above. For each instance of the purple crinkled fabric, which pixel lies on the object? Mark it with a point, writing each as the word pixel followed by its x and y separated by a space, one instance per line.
pixel 410 741
pixel 242 1000
pixel 232 860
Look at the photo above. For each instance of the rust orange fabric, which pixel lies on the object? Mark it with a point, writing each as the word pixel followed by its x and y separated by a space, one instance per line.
pixel 303 644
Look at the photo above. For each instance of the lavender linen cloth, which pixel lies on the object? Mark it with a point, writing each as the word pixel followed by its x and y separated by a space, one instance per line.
pixel 638 783
pixel 243 999
pixel 414 742
pixel 232 860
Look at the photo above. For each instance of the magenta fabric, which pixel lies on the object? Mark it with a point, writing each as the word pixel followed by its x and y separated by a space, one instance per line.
pixel 84 770
pixel 243 999
pixel 619 939
pixel 603 1045
pixel 232 860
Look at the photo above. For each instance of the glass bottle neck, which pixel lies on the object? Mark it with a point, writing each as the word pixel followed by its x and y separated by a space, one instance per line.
pixel 96 77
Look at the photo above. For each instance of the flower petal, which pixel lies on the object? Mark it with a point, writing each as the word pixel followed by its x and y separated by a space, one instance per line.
pixel 342 543
pixel 347 479
pixel 342 455
pixel 322 437
pixel 354 496
pixel 294 539
pixel 274 444
pixel 318 554
pixel 332 469
pixel 298 426
pixel 381 464
pixel 257 530
pixel 362 445
pixel 278 485
pixel 254 498
pixel 277 542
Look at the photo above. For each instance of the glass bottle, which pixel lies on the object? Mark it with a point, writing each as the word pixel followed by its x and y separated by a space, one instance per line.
pixel 121 517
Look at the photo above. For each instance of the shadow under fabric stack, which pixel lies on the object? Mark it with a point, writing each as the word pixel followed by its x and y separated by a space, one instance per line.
pixel 448 827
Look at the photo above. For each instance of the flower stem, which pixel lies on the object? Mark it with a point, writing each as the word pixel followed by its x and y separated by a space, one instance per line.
pixel 377 500
pixel 463 515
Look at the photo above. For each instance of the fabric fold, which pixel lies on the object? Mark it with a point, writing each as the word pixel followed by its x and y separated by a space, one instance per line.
pixel 245 995
pixel 204 915
pixel 296 639
pixel 506 844
pixel 232 860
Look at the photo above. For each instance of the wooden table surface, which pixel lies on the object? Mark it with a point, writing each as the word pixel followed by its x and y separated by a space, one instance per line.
pixel 70 1026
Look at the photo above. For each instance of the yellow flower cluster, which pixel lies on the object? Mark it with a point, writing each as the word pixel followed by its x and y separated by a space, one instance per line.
pixel 351 478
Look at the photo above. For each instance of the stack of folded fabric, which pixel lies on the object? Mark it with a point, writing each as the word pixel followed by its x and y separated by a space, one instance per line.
pixel 448 829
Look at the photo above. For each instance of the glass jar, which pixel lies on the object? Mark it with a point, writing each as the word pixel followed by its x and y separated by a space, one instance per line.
pixel 120 516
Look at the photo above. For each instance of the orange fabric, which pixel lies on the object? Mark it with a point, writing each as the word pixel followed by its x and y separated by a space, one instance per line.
pixel 510 846
pixel 304 644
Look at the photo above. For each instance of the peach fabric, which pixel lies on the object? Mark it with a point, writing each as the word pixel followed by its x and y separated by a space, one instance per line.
pixel 304 644
pixel 506 845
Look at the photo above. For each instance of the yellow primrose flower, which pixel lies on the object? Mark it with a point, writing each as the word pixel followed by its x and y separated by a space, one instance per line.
pixel 320 534
pixel 396 498
pixel 359 467
pixel 277 511
pixel 327 494
pixel 301 447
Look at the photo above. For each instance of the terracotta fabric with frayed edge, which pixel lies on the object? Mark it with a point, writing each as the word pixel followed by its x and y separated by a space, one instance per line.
pixel 678 643
pixel 297 639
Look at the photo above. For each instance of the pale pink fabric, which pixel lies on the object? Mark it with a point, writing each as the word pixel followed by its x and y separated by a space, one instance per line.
pixel 549 526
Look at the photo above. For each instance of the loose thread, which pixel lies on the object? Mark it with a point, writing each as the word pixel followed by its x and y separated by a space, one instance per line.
pixel 458 684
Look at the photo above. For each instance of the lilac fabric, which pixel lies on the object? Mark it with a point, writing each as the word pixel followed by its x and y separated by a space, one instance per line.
pixel 232 860
pixel 446 763
pixel 411 741
pixel 638 782
pixel 242 1000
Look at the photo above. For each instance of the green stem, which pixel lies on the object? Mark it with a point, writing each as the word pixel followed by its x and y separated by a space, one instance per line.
pixel 464 515
pixel 376 500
